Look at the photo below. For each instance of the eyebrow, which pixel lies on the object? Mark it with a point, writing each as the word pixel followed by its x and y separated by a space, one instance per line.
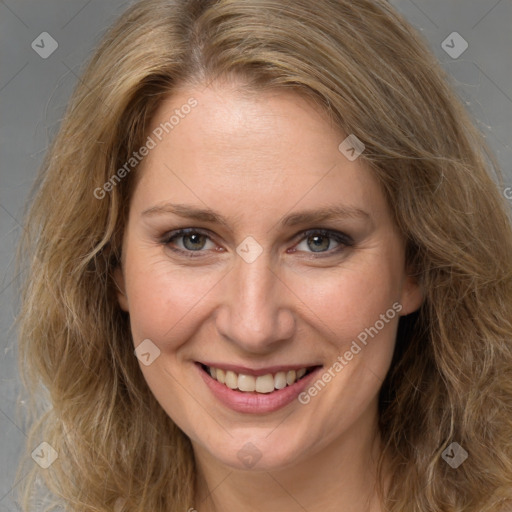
pixel 293 219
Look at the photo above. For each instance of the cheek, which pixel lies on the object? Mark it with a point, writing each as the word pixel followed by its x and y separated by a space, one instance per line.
pixel 345 303
pixel 164 300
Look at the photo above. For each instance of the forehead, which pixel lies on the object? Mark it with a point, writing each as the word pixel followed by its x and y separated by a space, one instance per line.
pixel 274 146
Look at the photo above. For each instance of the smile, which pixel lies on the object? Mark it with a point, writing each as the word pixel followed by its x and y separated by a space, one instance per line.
pixel 256 391
pixel 266 383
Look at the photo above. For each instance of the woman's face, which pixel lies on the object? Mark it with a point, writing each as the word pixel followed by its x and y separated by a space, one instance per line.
pixel 290 260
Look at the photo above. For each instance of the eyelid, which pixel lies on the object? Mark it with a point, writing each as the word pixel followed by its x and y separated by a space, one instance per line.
pixel 343 237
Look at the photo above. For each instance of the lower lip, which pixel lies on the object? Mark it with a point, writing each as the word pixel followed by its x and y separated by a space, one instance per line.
pixel 256 403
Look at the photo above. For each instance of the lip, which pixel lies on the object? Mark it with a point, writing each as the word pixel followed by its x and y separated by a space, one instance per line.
pixel 252 402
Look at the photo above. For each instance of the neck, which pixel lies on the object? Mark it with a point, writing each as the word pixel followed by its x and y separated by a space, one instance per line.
pixel 340 476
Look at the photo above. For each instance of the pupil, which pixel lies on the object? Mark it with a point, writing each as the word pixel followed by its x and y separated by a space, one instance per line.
pixel 317 242
pixel 197 241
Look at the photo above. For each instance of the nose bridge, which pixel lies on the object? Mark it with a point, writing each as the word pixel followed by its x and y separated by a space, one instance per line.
pixel 256 313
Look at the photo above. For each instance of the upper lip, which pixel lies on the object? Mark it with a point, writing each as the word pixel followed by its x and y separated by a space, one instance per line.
pixel 257 371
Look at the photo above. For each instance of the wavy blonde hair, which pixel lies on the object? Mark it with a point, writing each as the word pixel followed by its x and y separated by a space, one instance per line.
pixel 369 71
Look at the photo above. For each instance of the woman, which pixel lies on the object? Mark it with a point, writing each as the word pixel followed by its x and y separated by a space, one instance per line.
pixel 269 269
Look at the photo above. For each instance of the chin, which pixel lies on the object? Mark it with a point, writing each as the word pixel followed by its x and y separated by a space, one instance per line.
pixel 258 453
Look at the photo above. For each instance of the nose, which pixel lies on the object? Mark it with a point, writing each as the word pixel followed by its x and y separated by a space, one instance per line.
pixel 256 311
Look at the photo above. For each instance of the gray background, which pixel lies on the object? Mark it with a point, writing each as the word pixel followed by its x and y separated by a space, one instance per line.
pixel 34 92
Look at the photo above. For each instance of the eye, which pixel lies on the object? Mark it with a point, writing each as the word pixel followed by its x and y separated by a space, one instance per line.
pixel 322 240
pixel 188 240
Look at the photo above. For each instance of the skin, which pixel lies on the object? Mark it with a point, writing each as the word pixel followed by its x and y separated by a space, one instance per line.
pixel 255 159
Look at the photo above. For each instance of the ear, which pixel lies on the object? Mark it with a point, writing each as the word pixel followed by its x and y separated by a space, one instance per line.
pixel 412 294
pixel 121 288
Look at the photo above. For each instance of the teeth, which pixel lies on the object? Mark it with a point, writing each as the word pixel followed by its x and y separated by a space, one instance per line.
pixel 246 383
pixel 290 377
pixel 280 380
pixel 221 375
pixel 231 380
pixel 262 384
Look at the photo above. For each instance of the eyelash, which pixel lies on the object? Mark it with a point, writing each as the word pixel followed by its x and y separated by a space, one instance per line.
pixel 341 238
